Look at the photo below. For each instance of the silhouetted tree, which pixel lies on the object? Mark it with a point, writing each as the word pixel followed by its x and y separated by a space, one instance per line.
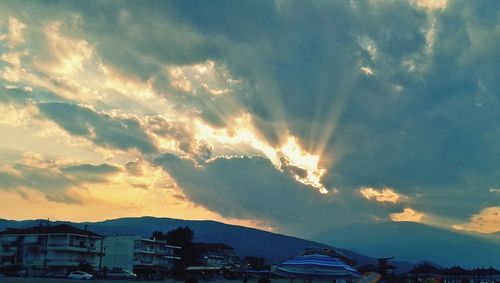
pixel 159 236
pixel 181 237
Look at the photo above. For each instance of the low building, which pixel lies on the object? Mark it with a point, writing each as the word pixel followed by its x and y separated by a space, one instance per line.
pixel 216 254
pixel 42 248
pixel 145 257
pixel 215 260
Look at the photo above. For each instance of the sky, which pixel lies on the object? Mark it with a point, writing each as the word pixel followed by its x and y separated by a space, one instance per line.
pixel 290 116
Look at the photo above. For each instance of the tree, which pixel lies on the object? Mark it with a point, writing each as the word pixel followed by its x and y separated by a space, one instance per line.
pixel 159 236
pixel 183 238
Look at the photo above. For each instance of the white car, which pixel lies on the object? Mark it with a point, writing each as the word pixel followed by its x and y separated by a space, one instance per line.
pixel 80 275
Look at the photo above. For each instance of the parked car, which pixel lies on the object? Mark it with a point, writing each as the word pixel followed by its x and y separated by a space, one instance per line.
pixel 14 271
pixel 57 274
pixel 120 274
pixel 80 275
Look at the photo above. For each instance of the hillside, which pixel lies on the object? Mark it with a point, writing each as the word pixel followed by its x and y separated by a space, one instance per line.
pixel 406 241
pixel 416 242
pixel 274 247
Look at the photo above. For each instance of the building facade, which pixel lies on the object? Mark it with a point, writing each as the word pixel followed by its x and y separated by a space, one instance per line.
pixel 216 254
pixel 43 248
pixel 145 257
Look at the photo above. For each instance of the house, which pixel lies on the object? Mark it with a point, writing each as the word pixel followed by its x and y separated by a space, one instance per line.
pixel 148 258
pixel 58 247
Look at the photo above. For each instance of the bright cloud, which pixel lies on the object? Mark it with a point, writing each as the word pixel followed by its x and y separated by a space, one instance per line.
pixel 430 4
pixel 300 158
pixel 383 195
pixel 486 221
pixel 15 34
pixel 289 154
pixel 407 214
pixel 16 116
pixel 207 77
pixel 367 70
pixel 68 55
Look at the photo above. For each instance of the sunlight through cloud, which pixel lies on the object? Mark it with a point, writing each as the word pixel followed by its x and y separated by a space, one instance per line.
pixel 407 214
pixel 383 195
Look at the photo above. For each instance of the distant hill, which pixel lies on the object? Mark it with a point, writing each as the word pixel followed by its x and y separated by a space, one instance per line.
pixel 275 248
pixel 405 241
pixel 416 242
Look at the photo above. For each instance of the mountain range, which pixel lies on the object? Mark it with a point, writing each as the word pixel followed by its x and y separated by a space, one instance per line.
pixel 406 241
pixel 416 242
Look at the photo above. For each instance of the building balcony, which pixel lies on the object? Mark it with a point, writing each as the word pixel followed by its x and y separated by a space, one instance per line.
pixel 144 262
pixel 67 262
pixel 6 263
pixel 150 263
pixel 35 262
pixel 149 251
pixel 62 262
pixel 72 248
pixel 7 253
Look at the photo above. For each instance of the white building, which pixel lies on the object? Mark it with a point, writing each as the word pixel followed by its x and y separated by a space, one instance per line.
pixel 44 248
pixel 145 257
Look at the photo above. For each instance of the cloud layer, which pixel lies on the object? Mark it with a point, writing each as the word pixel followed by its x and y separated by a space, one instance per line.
pixel 270 111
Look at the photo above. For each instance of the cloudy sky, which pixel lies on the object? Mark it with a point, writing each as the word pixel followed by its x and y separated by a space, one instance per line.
pixel 292 116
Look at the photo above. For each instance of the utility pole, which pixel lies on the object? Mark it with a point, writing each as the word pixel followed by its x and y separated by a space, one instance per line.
pixel 89 256
pixel 46 248
pixel 100 255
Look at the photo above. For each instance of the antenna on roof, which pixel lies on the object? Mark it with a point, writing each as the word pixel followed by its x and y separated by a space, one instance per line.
pixel 48 222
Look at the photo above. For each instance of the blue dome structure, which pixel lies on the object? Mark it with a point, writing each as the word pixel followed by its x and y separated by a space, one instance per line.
pixel 316 267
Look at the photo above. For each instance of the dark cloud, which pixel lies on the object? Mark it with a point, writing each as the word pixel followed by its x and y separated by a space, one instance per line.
pixel 102 129
pixel 17 96
pixel 134 168
pixel 250 187
pixel 425 132
pixel 89 172
pixel 52 179
pixel 424 123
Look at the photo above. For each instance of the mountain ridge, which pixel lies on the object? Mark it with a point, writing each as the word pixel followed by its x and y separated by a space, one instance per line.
pixel 247 241
pixel 275 247
pixel 416 242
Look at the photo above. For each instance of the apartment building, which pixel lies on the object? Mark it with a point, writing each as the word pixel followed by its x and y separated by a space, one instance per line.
pixel 145 257
pixel 50 247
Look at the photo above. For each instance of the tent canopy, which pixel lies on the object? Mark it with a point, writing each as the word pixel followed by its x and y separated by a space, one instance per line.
pixel 316 266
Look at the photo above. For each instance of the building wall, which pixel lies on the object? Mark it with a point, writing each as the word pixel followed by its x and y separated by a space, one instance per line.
pixel 149 252
pixel 128 252
pixel 119 252
pixel 29 251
